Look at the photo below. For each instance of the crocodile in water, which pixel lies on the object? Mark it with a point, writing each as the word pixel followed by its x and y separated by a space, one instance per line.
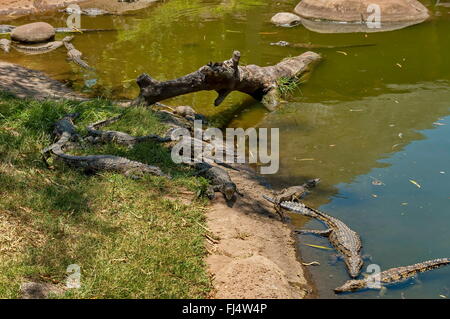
pixel 5 29
pixel 38 49
pixel 311 46
pixel 346 241
pixel 76 56
pixel 391 276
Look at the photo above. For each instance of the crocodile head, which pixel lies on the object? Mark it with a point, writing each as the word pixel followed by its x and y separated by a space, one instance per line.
pixel 351 285
pixel 354 264
pixel 229 189
pixel 312 183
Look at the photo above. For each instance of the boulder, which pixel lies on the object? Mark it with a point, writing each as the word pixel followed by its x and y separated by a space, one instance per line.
pixel 286 19
pixel 33 33
pixel 356 10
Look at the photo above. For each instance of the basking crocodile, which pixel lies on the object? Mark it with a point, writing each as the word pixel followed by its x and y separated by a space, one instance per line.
pixel 311 46
pixel 99 136
pixel 43 48
pixel 391 276
pixel 220 181
pixel 65 133
pixel 346 241
pixel 5 45
pixel 294 194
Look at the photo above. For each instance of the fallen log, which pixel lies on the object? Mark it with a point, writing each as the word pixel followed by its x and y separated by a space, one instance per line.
pixel 65 132
pixel 224 77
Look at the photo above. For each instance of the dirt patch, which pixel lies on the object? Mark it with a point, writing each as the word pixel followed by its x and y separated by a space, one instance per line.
pixel 24 83
pixel 254 255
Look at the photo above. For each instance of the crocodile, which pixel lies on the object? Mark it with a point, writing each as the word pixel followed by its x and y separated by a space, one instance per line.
pixel 391 276
pixel 43 48
pixel 311 46
pixel 220 181
pixel 5 45
pixel 184 111
pixel 122 138
pixel 5 29
pixel 76 56
pixel 65 132
pixel 92 12
pixel 346 241
pixel 294 194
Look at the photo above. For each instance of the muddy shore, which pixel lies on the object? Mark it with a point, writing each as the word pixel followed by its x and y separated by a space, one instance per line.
pixel 10 9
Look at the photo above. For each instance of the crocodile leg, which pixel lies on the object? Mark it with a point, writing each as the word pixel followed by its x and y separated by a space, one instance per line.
pixel 323 233
pixel 280 213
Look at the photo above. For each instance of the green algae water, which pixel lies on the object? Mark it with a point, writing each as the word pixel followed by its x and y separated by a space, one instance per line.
pixel 372 122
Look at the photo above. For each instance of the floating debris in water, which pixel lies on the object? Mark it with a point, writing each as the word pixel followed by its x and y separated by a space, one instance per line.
pixel 376 181
pixel 314 263
pixel 415 183
pixel 317 246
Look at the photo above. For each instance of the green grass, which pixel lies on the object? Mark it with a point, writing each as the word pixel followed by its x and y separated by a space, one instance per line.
pixel 287 86
pixel 131 238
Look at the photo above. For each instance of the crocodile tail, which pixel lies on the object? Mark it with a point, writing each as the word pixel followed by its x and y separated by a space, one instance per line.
pixel 270 199
pixel 436 263
pixel 299 208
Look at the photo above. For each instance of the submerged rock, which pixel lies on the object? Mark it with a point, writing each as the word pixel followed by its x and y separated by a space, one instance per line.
pixel 357 10
pixel 286 19
pixel 37 32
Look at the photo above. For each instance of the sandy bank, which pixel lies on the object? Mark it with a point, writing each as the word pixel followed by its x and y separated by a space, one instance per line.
pixel 255 254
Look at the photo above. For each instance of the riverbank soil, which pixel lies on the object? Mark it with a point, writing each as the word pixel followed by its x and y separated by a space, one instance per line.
pixel 15 8
pixel 24 7
pixel 254 256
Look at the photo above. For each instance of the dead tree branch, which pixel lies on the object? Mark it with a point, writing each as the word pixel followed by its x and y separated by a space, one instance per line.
pixel 225 77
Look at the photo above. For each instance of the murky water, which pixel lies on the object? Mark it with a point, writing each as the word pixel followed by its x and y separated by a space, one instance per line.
pixel 372 122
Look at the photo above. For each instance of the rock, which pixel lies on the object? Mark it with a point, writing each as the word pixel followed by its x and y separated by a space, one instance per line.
pixel 33 33
pixel 356 10
pixel 286 19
